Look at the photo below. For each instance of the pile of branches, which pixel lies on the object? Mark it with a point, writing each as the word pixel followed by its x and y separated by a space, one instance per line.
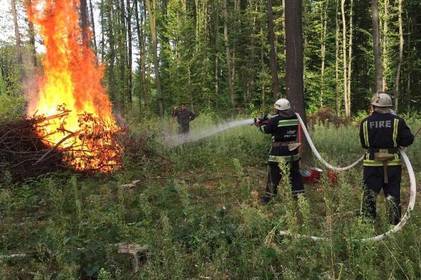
pixel 95 147
pixel 23 153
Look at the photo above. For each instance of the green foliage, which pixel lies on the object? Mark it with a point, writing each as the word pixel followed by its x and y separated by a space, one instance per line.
pixel 11 107
pixel 11 99
pixel 201 217
pixel 10 71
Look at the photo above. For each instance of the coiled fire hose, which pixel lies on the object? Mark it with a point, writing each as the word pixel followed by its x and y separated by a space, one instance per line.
pixel 396 228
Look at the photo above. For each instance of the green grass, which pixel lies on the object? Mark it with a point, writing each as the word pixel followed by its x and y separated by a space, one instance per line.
pixel 197 209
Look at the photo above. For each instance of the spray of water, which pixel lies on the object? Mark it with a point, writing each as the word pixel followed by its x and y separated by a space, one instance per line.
pixel 176 140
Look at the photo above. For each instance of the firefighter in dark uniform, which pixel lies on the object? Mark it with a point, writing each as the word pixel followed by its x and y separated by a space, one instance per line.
pixel 284 128
pixel 382 133
pixel 184 117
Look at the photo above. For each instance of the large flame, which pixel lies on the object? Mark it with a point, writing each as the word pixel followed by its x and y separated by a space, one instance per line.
pixel 71 86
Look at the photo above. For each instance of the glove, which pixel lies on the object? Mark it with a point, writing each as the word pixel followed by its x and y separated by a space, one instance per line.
pixel 261 121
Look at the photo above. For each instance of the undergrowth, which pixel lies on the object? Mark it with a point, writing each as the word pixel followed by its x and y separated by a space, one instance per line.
pixel 197 209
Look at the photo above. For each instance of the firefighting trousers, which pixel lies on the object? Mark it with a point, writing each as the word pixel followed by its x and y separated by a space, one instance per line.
pixel 275 176
pixel 184 128
pixel 373 183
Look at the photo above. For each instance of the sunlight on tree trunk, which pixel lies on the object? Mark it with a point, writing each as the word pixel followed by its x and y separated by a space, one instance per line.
pixel 377 46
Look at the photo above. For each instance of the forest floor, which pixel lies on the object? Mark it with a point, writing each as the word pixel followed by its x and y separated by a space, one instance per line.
pixel 196 208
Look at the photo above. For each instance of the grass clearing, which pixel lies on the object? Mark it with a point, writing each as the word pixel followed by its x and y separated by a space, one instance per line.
pixel 197 209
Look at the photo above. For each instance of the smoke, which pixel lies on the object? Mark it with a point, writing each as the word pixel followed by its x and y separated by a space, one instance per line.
pixel 179 139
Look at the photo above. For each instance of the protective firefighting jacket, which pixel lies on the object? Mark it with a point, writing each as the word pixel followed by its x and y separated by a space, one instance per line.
pixel 384 133
pixel 184 116
pixel 284 128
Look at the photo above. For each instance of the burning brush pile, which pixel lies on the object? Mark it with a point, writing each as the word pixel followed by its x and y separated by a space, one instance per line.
pixel 30 148
pixel 69 118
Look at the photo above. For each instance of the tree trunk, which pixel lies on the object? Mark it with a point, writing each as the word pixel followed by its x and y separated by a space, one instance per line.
pixel 262 68
pixel 17 34
pixel 294 59
pixel 283 25
pixel 384 42
pixel 84 22
pixel 344 59
pixel 323 21
pixel 228 55
pixel 273 57
pixel 337 59
pixel 151 6
pixel 401 45
pixel 102 15
pixel 376 45
pixel 130 52
pixel 216 31
pixel 111 56
pixel 142 53
pixel 349 72
pixel 31 34
pixel 93 27
pixel 122 50
pixel 294 79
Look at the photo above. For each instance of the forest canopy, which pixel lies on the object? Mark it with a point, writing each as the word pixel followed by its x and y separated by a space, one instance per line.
pixel 230 55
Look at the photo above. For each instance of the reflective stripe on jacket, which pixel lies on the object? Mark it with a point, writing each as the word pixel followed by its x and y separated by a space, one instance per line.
pixel 384 131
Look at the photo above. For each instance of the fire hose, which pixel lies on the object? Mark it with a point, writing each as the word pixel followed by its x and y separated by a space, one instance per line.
pixel 317 154
pixel 396 228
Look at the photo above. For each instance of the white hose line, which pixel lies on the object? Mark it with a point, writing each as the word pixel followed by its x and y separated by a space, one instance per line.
pixel 396 228
pixel 317 154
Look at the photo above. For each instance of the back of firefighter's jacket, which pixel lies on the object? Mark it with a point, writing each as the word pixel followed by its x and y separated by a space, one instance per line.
pixel 384 134
pixel 284 130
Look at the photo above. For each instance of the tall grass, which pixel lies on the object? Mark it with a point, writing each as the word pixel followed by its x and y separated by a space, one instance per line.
pixel 200 215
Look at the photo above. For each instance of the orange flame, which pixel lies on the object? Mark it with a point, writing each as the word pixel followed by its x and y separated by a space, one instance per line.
pixel 72 80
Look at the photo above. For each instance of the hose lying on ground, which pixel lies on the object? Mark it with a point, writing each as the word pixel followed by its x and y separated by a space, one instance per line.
pixel 396 228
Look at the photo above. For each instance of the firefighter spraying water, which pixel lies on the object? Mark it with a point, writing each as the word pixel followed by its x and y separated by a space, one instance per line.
pixel 382 134
pixel 284 128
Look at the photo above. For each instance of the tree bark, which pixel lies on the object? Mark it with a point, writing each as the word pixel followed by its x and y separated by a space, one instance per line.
pixel 345 60
pixel 122 54
pixel 141 42
pixel 273 56
pixel 228 55
pixel 17 33
pixel 295 64
pixel 84 22
pixel 31 34
pixel 262 68
pixel 337 58
pixel 130 51
pixel 384 42
pixel 401 45
pixel 376 46
pixel 91 8
pixel 349 72
pixel 102 15
pixel 294 55
pixel 323 21
pixel 216 34
pixel 111 56
pixel 151 6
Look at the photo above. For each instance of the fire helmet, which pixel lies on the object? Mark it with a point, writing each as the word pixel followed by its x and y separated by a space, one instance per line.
pixel 382 100
pixel 282 104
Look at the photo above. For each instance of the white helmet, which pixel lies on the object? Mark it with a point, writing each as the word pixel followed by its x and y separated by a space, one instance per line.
pixel 382 100
pixel 282 104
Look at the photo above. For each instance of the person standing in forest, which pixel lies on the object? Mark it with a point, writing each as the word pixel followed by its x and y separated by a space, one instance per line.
pixel 382 134
pixel 184 117
pixel 283 127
